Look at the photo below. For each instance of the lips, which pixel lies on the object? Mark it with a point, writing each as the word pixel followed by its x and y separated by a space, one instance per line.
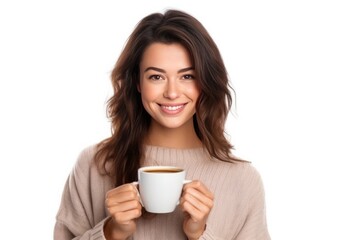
pixel 172 109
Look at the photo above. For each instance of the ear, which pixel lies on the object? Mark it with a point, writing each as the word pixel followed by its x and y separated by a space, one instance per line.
pixel 138 87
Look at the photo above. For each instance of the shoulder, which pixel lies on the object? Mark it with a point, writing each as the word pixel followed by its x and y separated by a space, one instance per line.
pixel 247 170
pixel 236 166
pixel 87 154
pixel 85 160
pixel 242 175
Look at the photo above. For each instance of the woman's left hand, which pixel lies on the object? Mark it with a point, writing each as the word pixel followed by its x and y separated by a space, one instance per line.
pixel 196 202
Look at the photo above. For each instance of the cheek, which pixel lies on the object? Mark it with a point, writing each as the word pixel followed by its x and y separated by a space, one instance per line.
pixel 146 101
pixel 148 93
pixel 145 92
pixel 193 92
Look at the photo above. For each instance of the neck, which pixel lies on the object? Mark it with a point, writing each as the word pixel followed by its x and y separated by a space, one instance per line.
pixel 182 137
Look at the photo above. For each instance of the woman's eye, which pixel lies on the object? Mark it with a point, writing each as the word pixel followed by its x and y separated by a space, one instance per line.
pixel 155 77
pixel 188 76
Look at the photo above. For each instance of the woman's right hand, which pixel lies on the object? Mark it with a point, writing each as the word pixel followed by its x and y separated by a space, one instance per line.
pixel 123 204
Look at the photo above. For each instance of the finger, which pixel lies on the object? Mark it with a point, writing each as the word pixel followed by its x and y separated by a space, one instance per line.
pixel 200 187
pixel 126 217
pixel 192 194
pixel 123 188
pixel 201 204
pixel 200 192
pixel 122 193
pixel 124 207
pixel 195 214
pixel 121 198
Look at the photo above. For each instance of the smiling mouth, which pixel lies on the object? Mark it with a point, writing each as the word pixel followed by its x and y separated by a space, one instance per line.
pixel 172 107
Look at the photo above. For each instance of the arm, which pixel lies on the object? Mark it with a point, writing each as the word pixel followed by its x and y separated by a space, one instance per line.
pixel 255 226
pixel 74 220
pixel 81 213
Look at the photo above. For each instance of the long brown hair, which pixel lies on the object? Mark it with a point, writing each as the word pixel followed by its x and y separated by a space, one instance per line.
pixel 130 121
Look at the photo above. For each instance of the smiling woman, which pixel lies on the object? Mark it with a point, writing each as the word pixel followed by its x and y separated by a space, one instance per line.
pixel 171 99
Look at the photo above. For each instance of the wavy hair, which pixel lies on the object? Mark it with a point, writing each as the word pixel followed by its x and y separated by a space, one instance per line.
pixel 129 119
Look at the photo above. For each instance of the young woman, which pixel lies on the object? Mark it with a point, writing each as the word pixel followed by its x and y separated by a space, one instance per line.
pixel 171 99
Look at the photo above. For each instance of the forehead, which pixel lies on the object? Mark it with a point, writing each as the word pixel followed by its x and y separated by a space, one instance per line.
pixel 163 55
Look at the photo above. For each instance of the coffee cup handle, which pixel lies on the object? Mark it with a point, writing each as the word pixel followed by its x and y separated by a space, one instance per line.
pixel 187 181
pixel 136 184
pixel 184 182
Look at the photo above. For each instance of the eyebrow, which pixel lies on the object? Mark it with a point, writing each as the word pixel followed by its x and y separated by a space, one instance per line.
pixel 163 71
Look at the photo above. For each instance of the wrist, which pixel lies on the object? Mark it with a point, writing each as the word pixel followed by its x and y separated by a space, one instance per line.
pixel 111 233
pixel 193 237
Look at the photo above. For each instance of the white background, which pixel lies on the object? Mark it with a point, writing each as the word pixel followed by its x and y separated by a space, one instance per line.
pixel 295 68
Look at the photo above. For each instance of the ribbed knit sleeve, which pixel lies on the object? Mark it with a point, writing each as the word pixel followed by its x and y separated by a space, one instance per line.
pixel 81 215
pixel 255 224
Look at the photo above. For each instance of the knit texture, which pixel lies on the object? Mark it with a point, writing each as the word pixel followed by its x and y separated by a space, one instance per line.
pixel 238 212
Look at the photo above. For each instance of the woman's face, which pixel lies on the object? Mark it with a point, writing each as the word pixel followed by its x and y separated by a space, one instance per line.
pixel 168 85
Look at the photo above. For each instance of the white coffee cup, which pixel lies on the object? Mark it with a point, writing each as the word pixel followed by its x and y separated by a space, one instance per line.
pixel 160 187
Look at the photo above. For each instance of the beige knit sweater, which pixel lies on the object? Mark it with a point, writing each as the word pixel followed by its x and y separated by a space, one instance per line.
pixel 238 212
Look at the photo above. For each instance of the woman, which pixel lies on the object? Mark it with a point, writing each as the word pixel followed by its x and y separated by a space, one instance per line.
pixel 171 99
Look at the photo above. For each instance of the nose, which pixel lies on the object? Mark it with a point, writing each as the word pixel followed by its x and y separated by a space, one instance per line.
pixel 172 90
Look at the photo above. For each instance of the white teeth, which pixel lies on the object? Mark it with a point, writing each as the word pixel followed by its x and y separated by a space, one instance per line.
pixel 172 108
